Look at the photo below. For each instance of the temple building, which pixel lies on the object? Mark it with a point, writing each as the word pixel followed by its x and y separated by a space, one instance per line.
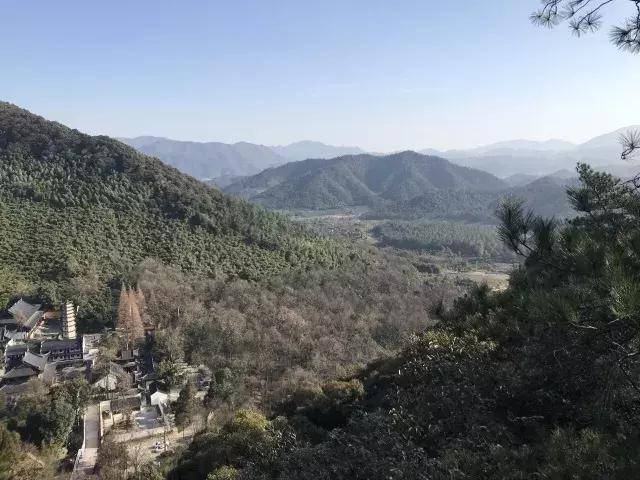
pixel 25 319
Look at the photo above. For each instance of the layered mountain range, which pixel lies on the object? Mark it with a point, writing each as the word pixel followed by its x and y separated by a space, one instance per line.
pixel 543 158
pixel 215 160
pixel 212 160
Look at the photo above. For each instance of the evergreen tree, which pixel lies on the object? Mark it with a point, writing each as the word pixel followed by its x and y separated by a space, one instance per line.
pixel 222 390
pixel 113 461
pixel 186 406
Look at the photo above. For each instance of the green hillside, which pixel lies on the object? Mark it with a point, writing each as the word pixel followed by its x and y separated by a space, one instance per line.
pixel 359 180
pixel 546 196
pixel 77 212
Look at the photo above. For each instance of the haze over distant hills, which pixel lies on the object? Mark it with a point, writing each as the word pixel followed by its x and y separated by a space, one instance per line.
pixel 359 180
pixel 310 149
pixel 211 160
pixel 540 158
pixel 208 160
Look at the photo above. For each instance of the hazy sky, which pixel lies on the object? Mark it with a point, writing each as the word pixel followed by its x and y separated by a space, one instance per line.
pixel 383 75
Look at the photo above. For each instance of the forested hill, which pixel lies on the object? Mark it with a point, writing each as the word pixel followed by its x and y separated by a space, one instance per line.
pixel 359 180
pixel 77 207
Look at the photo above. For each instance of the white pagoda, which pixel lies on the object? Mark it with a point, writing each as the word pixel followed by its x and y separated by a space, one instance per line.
pixel 68 318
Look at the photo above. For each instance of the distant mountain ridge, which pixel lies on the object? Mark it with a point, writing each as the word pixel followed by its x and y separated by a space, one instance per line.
pixel 310 149
pixel 546 196
pixel 211 160
pixel 540 158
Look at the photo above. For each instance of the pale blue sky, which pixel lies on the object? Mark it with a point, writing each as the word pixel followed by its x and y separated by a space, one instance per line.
pixel 383 75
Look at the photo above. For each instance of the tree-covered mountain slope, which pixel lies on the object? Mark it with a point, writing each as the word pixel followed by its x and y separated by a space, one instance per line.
pixel 359 180
pixel 546 195
pixel 82 210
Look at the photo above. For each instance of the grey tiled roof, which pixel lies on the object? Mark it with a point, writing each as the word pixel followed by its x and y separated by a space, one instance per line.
pixel 19 372
pixel 118 404
pixel 23 310
pixel 37 361
pixel 14 389
pixel 33 320
pixel 15 334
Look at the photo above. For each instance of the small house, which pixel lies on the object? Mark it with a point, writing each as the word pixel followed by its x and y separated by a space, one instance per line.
pixel 157 396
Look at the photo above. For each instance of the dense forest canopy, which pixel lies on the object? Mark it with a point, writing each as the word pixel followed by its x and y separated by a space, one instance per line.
pixel 79 212
pixel 467 240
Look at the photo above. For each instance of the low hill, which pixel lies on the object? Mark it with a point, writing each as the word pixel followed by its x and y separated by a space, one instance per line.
pixel 519 179
pixel 360 180
pixel 546 196
pixel 77 210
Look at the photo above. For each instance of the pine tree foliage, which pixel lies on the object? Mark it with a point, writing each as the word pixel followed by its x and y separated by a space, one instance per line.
pixel 185 407
pixel 586 16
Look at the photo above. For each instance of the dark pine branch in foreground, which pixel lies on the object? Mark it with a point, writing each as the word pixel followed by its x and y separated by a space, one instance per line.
pixel 586 16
